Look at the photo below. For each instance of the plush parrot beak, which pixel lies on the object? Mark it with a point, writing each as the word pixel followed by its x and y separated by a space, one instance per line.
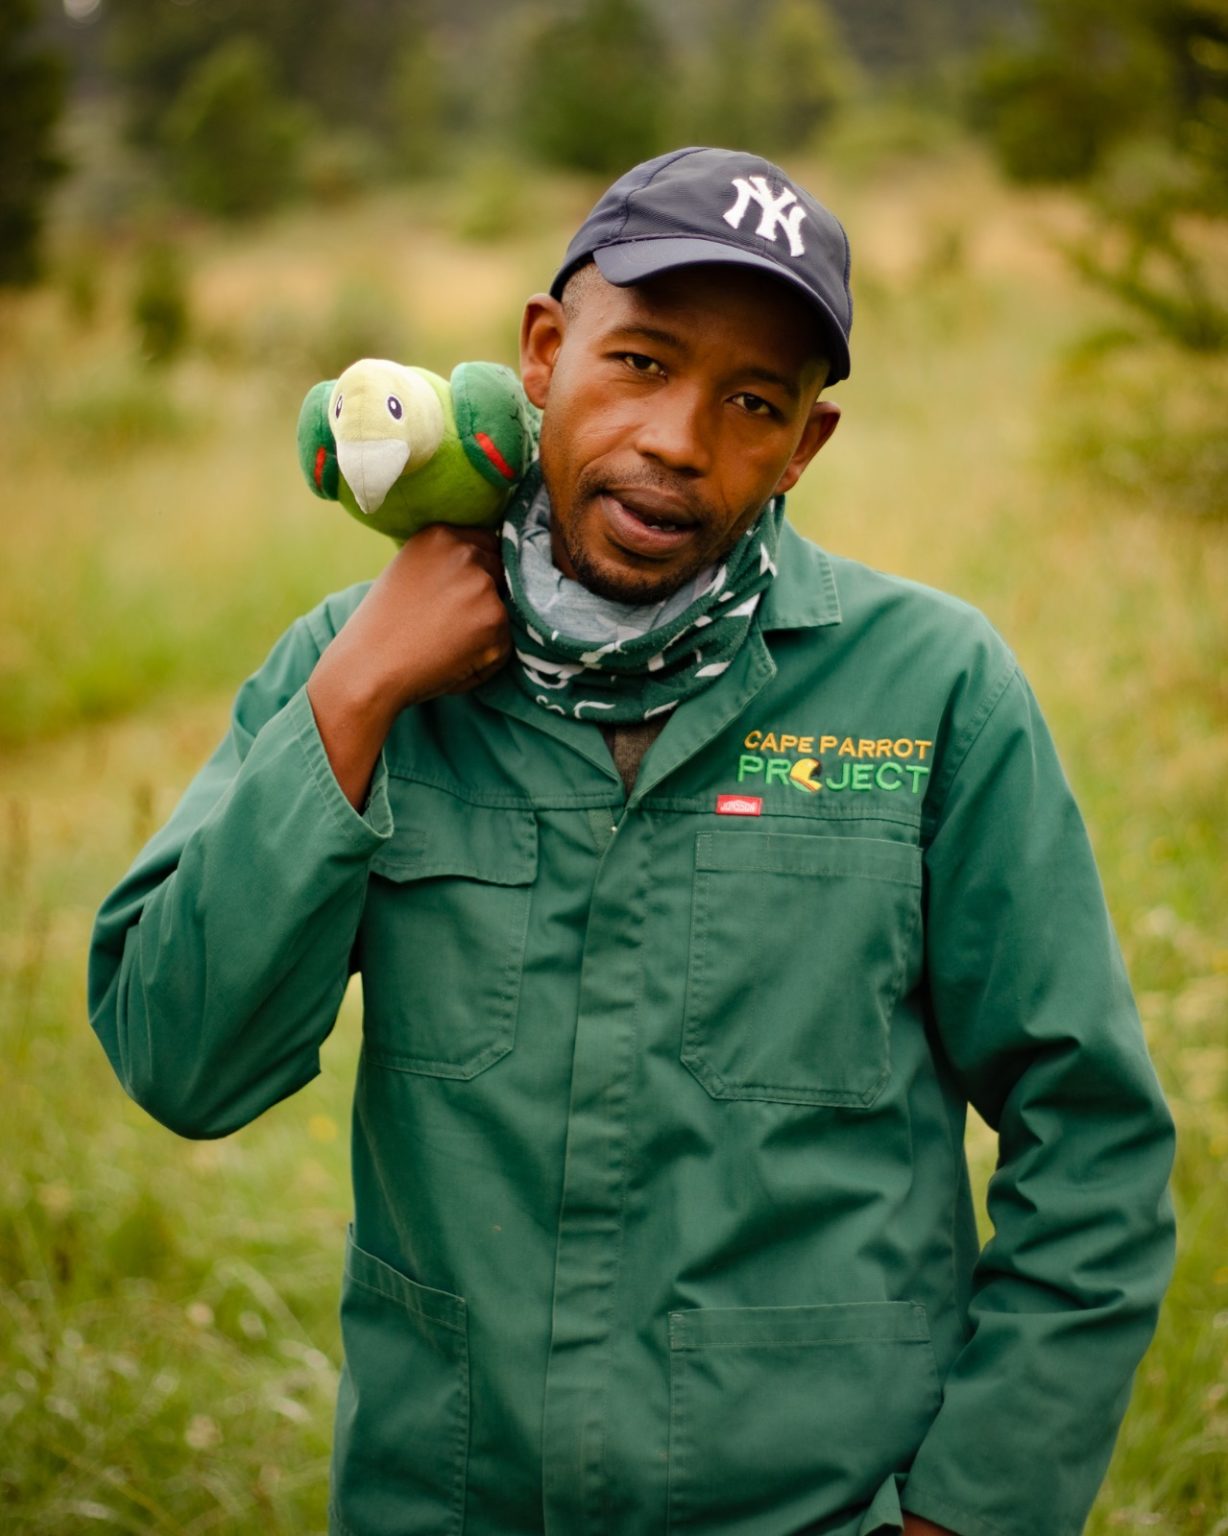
pixel 370 468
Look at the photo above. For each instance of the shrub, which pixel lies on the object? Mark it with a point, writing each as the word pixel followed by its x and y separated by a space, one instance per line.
pixel 234 140
pixel 592 88
pixel 363 321
pixel 160 306
pixel 31 99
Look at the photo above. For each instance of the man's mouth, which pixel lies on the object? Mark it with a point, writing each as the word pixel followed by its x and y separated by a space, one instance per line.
pixel 646 523
pixel 653 522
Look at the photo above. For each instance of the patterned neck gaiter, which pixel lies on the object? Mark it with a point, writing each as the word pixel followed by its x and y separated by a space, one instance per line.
pixel 594 659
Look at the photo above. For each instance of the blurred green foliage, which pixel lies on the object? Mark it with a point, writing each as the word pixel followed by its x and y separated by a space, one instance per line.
pixel 232 137
pixel 363 319
pixel 108 414
pixel 774 78
pixel 899 40
pixel 1128 98
pixel 1055 102
pixel 805 75
pixel 1165 447
pixel 32 85
pixel 418 106
pixel 491 204
pixel 79 272
pixel 335 167
pixel 594 86
pixel 160 303
pixel 334 58
pixel 413 91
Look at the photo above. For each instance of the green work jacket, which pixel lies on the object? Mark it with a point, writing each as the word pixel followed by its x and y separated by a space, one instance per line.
pixel 662 1220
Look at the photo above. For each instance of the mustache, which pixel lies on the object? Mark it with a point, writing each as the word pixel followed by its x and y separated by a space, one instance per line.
pixel 660 495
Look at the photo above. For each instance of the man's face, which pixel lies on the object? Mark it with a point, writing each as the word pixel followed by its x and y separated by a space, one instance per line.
pixel 672 412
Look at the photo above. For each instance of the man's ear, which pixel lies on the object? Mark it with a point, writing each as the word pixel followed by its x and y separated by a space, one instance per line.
pixel 541 336
pixel 822 421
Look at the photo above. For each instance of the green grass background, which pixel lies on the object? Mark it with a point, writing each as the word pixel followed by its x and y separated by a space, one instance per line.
pixel 167 1309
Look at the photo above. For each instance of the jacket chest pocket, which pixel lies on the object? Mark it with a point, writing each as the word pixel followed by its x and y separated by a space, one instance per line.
pixel 443 934
pixel 800 947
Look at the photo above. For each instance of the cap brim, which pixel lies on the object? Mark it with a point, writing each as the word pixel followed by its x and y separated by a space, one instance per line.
pixel 634 260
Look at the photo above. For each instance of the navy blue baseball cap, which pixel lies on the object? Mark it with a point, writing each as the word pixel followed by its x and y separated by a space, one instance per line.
pixel 703 205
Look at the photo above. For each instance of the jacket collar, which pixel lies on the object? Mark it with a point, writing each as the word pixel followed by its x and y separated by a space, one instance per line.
pixel 803 593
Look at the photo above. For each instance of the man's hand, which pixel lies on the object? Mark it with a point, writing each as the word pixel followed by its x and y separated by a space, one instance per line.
pixel 433 623
pixel 915 1526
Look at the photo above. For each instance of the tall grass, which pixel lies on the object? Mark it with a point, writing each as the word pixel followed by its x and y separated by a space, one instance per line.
pixel 167 1309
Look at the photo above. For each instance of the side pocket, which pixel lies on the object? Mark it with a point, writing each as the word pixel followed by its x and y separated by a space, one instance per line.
pixel 784 1417
pixel 401 1447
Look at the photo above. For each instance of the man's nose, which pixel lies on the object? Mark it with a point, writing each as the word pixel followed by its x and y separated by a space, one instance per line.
pixel 675 430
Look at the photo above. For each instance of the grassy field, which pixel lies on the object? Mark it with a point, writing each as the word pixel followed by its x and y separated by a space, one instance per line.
pixel 167 1310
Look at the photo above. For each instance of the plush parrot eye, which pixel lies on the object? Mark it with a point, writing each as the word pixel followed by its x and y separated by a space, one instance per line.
pixel 394 408
pixel 337 407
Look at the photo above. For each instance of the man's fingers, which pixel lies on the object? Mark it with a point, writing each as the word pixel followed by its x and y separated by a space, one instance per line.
pixel 490 562
pixel 480 538
pixel 482 543
pixel 484 673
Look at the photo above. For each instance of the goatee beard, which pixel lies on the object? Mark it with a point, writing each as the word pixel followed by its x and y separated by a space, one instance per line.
pixel 629 589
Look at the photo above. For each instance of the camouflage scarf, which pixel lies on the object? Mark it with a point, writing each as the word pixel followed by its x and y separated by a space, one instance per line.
pixel 594 659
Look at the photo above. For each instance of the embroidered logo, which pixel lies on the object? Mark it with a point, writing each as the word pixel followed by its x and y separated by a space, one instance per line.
pixel 857 763
pixel 739 805
pixel 804 775
pixel 772 211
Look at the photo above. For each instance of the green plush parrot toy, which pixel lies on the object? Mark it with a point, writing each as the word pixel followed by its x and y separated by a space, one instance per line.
pixel 400 447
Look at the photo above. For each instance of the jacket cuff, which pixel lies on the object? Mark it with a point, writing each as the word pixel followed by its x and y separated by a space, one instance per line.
pixel 919 1500
pixel 367 830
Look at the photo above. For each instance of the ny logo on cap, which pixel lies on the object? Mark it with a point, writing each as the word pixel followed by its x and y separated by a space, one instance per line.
pixel 755 189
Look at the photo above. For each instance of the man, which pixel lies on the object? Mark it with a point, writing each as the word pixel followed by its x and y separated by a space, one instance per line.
pixel 696 891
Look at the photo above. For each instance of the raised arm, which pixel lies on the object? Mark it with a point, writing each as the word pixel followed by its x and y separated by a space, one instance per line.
pixel 219 962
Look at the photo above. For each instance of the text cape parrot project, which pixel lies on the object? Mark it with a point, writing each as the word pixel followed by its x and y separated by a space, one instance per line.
pixel 400 447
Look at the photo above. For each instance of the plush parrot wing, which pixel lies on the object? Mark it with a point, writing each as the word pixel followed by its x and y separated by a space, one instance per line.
pixel 497 425
pixel 317 447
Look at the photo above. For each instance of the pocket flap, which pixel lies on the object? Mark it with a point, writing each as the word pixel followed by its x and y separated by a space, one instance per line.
pixel 875 1322
pixel 800 853
pixel 435 833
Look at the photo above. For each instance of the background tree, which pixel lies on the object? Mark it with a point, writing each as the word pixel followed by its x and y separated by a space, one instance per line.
pixel 418 104
pixel 593 87
pixel 1129 100
pixel 338 60
pixel 151 47
pixel 807 71
pixel 770 80
pixel 31 98
pixel 233 138
pixel 901 40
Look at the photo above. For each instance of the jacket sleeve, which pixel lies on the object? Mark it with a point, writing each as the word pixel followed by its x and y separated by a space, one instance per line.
pixel 219 962
pixel 1032 1009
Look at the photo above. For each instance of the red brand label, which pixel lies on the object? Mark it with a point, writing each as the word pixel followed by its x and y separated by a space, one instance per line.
pixel 739 805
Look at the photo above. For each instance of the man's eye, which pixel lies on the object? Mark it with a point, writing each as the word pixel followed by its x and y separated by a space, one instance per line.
pixel 755 404
pixel 641 363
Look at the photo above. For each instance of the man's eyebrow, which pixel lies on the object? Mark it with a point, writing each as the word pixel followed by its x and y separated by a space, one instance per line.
pixel 770 376
pixel 645 332
pixel 642 331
